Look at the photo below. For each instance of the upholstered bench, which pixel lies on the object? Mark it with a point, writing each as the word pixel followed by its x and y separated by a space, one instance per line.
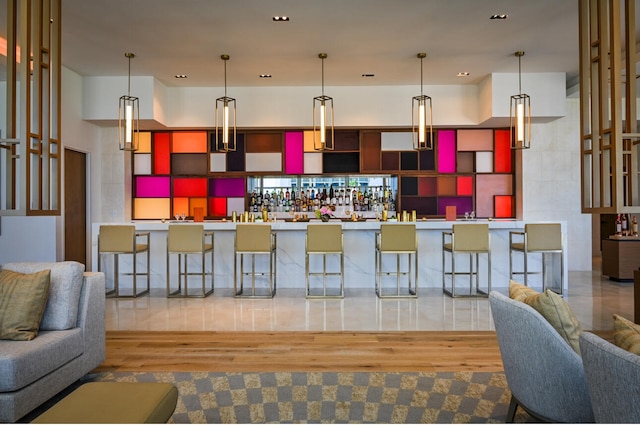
pixel 115 402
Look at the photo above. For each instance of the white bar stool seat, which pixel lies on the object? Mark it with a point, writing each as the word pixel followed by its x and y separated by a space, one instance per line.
pixel 398 239
pixel 116 239
pixel 472 239
pixel 185 240
pixel 254 239
pixel 538 238
pixel 324 239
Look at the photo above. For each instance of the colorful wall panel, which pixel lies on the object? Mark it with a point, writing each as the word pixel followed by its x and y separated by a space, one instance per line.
pixel 294 152
pixel 446 151
pixel 177 171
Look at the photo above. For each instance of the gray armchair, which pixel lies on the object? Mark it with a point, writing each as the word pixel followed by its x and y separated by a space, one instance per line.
pixel 613 378
pixel 545 375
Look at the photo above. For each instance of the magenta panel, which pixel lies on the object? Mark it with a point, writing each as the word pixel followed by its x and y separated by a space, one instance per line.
pixel 446 151
pixel 294 152
pixel 226 187
pixel 153 187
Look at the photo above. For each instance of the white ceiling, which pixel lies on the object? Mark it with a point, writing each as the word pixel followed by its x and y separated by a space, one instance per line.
pixel 380 37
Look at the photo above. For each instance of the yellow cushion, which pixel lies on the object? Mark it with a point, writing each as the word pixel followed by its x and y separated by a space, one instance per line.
pixel 626 334
pixel 115 403
pixel 553 308
pixel 23 298
pixel 519 292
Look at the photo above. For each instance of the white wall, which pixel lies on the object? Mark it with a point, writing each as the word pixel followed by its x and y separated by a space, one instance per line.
pixel 551 182
pixel 551 168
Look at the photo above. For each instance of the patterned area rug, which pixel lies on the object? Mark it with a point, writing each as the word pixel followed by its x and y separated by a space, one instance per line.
pixel 332 397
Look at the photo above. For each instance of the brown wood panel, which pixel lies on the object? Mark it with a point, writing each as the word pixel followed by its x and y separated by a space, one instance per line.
pixel 302 351
pixel 263 142
pixel 620 258
pixel 391 160
pixel 370 151
pixel 75 206
pixel 347 140
pixel 189 164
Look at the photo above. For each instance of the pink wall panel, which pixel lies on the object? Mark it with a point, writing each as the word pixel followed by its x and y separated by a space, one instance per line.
pixel 294 152
pixel 447 151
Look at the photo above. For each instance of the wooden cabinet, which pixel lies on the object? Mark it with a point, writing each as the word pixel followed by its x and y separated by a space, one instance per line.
pixel 620 258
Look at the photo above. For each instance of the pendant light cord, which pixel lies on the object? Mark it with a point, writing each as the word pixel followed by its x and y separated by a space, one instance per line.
pixel 519 74
pixel 421 73
pixel 322 77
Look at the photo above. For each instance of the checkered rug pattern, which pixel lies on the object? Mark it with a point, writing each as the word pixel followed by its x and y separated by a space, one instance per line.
pixel 332 397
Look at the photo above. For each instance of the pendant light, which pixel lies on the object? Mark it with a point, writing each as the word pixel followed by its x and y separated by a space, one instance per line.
pixel 128 117
pixel 422 117
pixel 520 115
pixel 323 117
pixel 225 118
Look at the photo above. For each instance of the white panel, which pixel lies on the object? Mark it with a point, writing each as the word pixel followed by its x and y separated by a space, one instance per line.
pixel 313 163
pixel 235 204
pixel 142 163
pixel 484 162
pixel 397 141
pixel 217 162
pixel 263 162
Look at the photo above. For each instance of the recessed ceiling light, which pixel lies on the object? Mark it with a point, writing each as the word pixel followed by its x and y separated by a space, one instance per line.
pixel 499 16
pixel 463 74
pixel 180 76
pixel 280 18
pixel 265 75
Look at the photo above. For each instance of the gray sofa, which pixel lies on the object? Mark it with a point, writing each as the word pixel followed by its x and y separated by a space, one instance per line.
pixel 70 342
pixel 613 378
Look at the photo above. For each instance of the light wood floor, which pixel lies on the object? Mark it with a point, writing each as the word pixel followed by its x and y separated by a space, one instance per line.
pixel 426 351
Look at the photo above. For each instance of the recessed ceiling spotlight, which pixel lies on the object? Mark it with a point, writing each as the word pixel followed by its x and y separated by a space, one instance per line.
pixel 499 16
pixel 280 18
pixel 368 75
pixel 463 74
pixel 180 76
pixel 265 75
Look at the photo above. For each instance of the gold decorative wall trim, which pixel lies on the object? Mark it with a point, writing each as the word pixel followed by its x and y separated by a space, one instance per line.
pixel 610 142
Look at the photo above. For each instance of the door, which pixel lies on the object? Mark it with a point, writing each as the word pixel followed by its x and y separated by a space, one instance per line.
pixel 75 206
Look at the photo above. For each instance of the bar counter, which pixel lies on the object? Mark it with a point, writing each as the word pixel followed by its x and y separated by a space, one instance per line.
pixel 358 249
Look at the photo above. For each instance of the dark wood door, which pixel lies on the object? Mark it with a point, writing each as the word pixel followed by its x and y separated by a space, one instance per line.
pixel 75 206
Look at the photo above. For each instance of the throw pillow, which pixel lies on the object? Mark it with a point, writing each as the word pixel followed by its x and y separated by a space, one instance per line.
pixel 519 292
pixel 553 308
pixel 626 334
pixel 64 291
pixel 23 298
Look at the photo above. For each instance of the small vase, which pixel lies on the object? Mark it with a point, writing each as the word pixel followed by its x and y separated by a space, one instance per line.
pixel 324 218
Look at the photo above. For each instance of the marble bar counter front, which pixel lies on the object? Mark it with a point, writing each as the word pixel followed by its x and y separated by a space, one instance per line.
pixel 359 253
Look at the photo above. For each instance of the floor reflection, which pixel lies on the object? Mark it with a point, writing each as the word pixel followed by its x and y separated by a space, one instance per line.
pixel 593 298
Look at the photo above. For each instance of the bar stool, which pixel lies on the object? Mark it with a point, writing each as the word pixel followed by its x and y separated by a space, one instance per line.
pixel 324 239
pixel 467 239
pixel 123 239
pixel 186 239
pixel 254 239
pixel 397 239
pixel 543 238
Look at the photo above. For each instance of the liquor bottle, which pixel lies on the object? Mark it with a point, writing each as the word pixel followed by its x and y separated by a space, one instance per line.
pixel 634 227
pixel 287 195
pixel 618 226
pixel 625 225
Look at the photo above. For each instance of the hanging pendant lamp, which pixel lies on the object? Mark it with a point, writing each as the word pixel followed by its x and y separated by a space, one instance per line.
pixel 225 118
pixel 422 117
pixel 520 114
pixel 128 117
pixel 322 117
